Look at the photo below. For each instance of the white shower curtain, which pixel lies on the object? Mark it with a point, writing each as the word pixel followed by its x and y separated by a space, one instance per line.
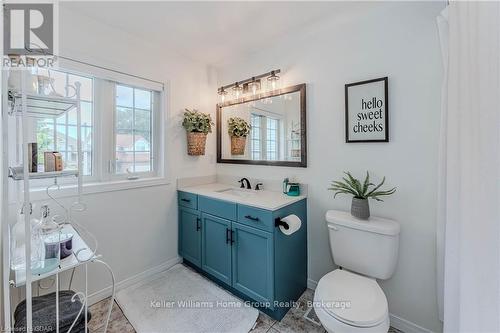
pixel 443 28
pixel 468 233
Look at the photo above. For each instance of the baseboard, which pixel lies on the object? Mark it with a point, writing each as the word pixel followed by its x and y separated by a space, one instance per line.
pixel 407 326
pixel 396 322
pixel 311 284
pixel 141 277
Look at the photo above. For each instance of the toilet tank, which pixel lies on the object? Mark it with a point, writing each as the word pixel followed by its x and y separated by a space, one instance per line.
pixel 369 247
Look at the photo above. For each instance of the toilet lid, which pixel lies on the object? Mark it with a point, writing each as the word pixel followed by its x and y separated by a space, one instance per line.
pixel 351 298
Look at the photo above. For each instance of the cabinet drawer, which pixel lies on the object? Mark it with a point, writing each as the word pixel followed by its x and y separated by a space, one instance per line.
pixel 188 200
pixel 217 207
pixel 255 217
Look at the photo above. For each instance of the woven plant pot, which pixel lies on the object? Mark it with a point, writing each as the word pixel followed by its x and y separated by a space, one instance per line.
pixel 238 144
pixel 360 208
pixel 196 143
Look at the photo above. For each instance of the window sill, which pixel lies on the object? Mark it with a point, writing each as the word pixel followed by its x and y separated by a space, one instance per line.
pixel 39 193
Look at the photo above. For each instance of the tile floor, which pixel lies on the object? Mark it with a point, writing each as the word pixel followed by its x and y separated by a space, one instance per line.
pixel 118 323
pixel 297 320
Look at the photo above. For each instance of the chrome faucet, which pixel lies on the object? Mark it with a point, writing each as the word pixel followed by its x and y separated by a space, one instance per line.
pixel 242 182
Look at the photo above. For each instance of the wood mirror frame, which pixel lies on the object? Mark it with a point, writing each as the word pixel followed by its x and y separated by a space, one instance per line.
pixel 303 129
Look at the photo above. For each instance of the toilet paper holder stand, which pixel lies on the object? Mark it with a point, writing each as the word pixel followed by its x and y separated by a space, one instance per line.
pixel 278 222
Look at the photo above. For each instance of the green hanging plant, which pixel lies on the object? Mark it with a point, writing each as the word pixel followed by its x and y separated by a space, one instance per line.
pixel 197 122
pixel 238 127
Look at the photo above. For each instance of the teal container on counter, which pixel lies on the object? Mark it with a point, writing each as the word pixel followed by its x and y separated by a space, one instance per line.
pixel 293 189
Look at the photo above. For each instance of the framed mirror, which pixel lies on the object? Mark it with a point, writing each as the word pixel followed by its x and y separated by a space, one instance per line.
pixel 266 129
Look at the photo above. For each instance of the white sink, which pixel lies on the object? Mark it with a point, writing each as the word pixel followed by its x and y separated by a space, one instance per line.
pixel 238 193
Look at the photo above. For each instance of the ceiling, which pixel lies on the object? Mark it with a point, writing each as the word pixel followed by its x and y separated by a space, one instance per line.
pixel 208 32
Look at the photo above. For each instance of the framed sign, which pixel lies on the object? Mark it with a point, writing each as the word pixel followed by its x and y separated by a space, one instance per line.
pixel 367 111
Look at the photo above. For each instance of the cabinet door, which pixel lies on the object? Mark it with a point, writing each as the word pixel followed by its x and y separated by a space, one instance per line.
pixel 190 235
pixel 253 262
pixel 216 247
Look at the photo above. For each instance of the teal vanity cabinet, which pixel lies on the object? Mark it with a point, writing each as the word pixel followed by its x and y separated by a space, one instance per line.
pixel 241 248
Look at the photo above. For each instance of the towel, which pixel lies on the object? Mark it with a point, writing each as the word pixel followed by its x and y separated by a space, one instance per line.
pixel 44 313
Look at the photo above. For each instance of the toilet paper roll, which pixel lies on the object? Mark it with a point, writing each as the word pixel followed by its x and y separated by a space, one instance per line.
pixel 293 222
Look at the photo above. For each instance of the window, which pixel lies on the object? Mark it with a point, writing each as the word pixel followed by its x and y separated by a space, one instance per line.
pixel 264 137
pixel 272 139
pixel 255 137
pixel 121 127
pixel 133 135
pixel 60 134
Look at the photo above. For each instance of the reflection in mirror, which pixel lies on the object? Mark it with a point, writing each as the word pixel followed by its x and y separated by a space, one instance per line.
pixel 275 136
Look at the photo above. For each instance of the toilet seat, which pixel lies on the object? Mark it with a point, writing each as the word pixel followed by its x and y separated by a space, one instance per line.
pixel 352 299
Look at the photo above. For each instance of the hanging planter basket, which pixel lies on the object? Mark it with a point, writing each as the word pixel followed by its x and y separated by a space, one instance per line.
pixel 196 143
pixel 238 144
pixel 197 126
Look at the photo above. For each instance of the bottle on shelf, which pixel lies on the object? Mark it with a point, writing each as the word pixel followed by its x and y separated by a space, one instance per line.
pixel 50 234
pixel 18 243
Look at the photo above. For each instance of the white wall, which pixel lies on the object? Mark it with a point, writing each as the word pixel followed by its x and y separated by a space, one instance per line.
pixel 137 228
pixel 398 40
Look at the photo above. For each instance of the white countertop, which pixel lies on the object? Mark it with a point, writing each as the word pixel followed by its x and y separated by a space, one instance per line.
pixel 264 199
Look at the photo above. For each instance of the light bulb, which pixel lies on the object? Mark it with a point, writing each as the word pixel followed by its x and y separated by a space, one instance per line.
pixel 222 92
pixel 254 85
pixel 273 79
pixel 237 90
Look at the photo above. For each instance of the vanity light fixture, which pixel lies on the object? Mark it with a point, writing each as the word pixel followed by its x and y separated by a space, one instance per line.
pixel 273 79
pixel 252 85
pixel 222 92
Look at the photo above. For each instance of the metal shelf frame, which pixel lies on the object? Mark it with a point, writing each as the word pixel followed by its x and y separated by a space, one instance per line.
pixel 24 106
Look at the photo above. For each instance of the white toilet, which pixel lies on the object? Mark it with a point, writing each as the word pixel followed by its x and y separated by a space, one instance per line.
pixel 349 298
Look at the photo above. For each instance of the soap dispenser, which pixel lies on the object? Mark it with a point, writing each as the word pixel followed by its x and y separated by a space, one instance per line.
pixel 285 185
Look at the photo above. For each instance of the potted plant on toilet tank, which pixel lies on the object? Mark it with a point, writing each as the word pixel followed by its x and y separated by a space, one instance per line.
pixel 197 126
pixel 361 192
pixel 238 129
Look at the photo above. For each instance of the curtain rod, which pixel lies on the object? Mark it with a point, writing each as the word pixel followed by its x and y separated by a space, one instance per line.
pixel 112 70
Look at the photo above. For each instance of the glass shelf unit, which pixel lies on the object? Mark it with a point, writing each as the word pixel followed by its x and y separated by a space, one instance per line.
pixel 41 105
pixel 42 175
pixel 20 111
pixel 79 246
